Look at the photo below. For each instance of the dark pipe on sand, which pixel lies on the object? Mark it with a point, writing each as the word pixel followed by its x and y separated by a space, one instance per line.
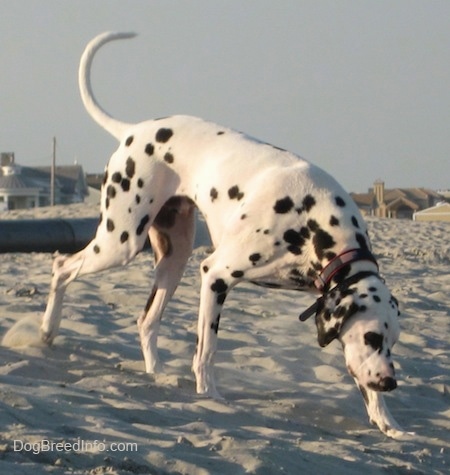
pixel 64 235
pixel 46 235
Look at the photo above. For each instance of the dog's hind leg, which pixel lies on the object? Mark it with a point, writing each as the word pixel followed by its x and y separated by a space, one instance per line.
pixel 172 238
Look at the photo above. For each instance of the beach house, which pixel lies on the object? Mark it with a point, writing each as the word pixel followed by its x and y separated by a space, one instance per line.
pixel 30 187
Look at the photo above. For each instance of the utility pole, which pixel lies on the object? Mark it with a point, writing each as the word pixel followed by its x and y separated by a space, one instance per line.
pixel 52 173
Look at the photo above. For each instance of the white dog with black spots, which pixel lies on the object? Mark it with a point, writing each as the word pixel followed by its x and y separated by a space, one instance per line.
pixel 275 220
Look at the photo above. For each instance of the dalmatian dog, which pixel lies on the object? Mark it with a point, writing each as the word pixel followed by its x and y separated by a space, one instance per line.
pixel 274 219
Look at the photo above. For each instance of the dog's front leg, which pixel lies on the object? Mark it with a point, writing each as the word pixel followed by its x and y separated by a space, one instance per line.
pixel 213 293
pixel 65 270
pixel 379 414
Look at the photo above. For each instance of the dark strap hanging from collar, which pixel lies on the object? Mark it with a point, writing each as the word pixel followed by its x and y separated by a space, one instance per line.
pixel 345 284
pixel 311 310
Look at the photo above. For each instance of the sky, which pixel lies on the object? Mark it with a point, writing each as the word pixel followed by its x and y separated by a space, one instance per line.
pixel 359 87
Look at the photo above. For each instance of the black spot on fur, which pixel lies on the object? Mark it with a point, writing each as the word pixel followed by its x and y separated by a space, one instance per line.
pixel 362 241
pixel 313 225
pixel 205 269
pixel 376 298
pixel 243 216
pixel 308 202
pixel 110 225
pixel 340 202
pixel 129 140
pixel 124 237
pixel 215 324
pixel 110 191
pixel 138 199
pixel 316 266
pixel 296 250
pixel 295 241
pixel 237 274
pixel 220 288
pixel 168 157
pixel 293 237
pixel 96 249
pixel 213 194
pixel 221 132
pixel 375 340
pixel 125 184
pixel 355 222
pixel 163 135
pixel 254 258
pixel 105 178
pixel 304 232
pixel 144 221
pixel 322 241
pixel 140 183
pixel 334 221
pixel 235 194
pixel 130 168
pixel 149 149
pixel 168 214
pixel 330 255
pixel 284 205
pixel 116 177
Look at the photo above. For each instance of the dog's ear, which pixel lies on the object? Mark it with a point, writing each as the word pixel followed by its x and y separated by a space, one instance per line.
pixel 331 315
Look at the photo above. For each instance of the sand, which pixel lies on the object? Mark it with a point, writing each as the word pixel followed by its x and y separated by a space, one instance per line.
pixel 85 405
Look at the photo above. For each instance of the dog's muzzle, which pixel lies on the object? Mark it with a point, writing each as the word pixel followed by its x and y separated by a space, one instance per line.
pixel 385 384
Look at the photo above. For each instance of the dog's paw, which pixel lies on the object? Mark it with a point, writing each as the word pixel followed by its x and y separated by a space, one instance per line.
pixel 209 391
pixel 394 431
pixel 155 367
pixel 212 394
pixel 398 434
pixel 46 337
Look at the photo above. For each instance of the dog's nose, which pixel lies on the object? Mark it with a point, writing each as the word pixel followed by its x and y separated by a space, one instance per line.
pixel 388 384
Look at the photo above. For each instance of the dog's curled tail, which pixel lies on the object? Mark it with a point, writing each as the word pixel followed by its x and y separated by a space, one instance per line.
pixel 111 125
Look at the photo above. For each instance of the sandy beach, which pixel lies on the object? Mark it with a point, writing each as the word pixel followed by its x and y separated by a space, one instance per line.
pixel 86 406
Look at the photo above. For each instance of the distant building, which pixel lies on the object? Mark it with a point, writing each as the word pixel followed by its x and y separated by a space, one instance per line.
pixel 95 180
pixel 29 187
pixel 440 212
pixel 396 202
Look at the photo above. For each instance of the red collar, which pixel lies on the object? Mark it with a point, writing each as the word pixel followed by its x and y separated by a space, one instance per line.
pixel 338 262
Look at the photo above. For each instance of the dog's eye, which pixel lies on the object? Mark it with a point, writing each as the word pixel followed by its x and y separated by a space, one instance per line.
pixel 375 340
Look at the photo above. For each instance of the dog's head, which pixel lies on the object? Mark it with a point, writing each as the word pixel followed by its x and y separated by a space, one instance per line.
pixel 364 317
